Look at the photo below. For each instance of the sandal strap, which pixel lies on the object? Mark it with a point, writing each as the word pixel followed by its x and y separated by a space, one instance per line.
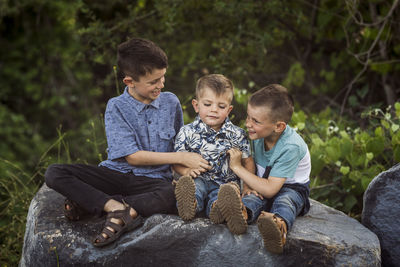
pixel 123 215
pixel 116 227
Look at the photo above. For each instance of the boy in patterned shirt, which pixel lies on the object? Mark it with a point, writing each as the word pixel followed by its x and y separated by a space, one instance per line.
pixel 212 134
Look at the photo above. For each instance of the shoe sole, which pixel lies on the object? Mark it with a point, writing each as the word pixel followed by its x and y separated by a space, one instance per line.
pixel 230 205
pixel 185 197
pixel 271 234
pixel 215 215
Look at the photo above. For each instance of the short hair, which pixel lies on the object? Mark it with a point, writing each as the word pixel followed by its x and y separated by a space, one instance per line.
pixel 218 83
pixel 138 57
pixel 277 99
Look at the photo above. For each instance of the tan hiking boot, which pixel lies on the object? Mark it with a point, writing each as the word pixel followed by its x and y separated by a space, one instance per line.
pixel 232 209
pixel 216 214
pixel 185 197
pixel 273 231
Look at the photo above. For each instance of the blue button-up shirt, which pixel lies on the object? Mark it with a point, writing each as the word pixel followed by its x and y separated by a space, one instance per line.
pixel 213 146
pixel 133 126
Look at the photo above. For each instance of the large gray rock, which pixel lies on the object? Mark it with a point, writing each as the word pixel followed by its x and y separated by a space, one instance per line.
pixel 381 213
pixel 324 237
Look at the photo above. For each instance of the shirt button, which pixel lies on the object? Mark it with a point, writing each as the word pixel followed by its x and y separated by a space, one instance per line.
pixel 149 122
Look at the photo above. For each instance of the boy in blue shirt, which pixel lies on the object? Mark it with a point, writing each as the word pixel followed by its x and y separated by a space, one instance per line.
pixel 140 125
pixel 283 166
pixel 211 134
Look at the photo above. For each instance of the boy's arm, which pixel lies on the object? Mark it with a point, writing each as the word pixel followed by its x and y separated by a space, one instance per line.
pixel 187 159
pixel 266 187
pixel 248 164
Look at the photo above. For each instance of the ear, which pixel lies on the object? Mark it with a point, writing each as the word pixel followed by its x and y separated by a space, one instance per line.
pixel 280 126
pixel 230 109
pixel 195 105
pixel 128 81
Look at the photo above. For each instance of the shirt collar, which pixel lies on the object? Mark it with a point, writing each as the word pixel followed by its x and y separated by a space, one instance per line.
pixel 139 106
pixel 200 126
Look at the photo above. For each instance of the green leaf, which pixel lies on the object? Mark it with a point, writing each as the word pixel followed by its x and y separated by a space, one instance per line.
pixel 395 127
pixel 295 76
pixel 355 175
pixel 365 181
pixel 346 147
pixel 349 202
pixel 385 124
pixel 379 131
pixel 376 145
pixel 396 154
pixel 344 170
pixel 397 108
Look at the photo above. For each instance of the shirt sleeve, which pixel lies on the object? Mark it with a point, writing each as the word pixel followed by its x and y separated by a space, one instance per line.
pixel 244 144
pixel 180 141
pixel 121 138
pixel 285 165
pixel 178 117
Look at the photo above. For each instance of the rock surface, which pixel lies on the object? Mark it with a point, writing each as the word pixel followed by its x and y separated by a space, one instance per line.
pixel 324 237
pixel 381 213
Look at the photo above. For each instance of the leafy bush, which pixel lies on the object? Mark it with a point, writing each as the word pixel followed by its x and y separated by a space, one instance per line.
pixel 345 157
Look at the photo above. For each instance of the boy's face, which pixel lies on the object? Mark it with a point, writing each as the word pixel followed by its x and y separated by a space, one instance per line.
pixel 259 124
pixel 212 109
pixel 149 86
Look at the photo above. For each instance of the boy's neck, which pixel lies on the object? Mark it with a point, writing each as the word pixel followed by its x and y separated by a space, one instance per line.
pixel 270 141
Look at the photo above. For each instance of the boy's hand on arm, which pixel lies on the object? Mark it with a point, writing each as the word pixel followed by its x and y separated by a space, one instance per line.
pixel 235 158
pixel 194 161
pixel 265 187
pixel 184 171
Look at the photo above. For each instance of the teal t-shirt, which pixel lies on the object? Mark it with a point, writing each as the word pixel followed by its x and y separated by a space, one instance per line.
pixel 289 158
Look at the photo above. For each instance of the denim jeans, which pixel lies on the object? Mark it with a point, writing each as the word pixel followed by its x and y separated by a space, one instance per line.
pixel 206 194
pixel 287 204
pixel 254 206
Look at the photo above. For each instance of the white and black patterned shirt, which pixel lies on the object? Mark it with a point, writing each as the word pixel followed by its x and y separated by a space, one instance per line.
pixel 213 146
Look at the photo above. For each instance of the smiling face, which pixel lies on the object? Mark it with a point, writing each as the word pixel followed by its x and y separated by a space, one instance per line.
pixel 212 108
pixel 149 86
pixel 258 123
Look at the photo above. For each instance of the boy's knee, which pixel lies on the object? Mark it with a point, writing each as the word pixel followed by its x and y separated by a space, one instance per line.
pixel 51 174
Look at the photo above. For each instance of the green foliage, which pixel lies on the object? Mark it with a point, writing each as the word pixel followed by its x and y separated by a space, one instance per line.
pixel 345 158
pixel 18 185
pixel 57 67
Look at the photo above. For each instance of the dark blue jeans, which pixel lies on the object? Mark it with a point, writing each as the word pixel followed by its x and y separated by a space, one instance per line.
pixel 287 204
pixel 206 194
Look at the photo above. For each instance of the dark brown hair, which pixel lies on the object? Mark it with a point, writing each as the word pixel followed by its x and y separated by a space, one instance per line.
pixel 277 99
pixel 138 57
pixel 218 83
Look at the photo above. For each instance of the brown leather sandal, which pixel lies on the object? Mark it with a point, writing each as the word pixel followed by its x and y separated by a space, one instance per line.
pixel 128 224
pixel 73 211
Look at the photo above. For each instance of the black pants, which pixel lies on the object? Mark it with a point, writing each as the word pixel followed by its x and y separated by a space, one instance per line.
pixel 92 186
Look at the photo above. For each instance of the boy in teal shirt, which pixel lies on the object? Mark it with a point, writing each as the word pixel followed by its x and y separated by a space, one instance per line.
pixel 283 167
